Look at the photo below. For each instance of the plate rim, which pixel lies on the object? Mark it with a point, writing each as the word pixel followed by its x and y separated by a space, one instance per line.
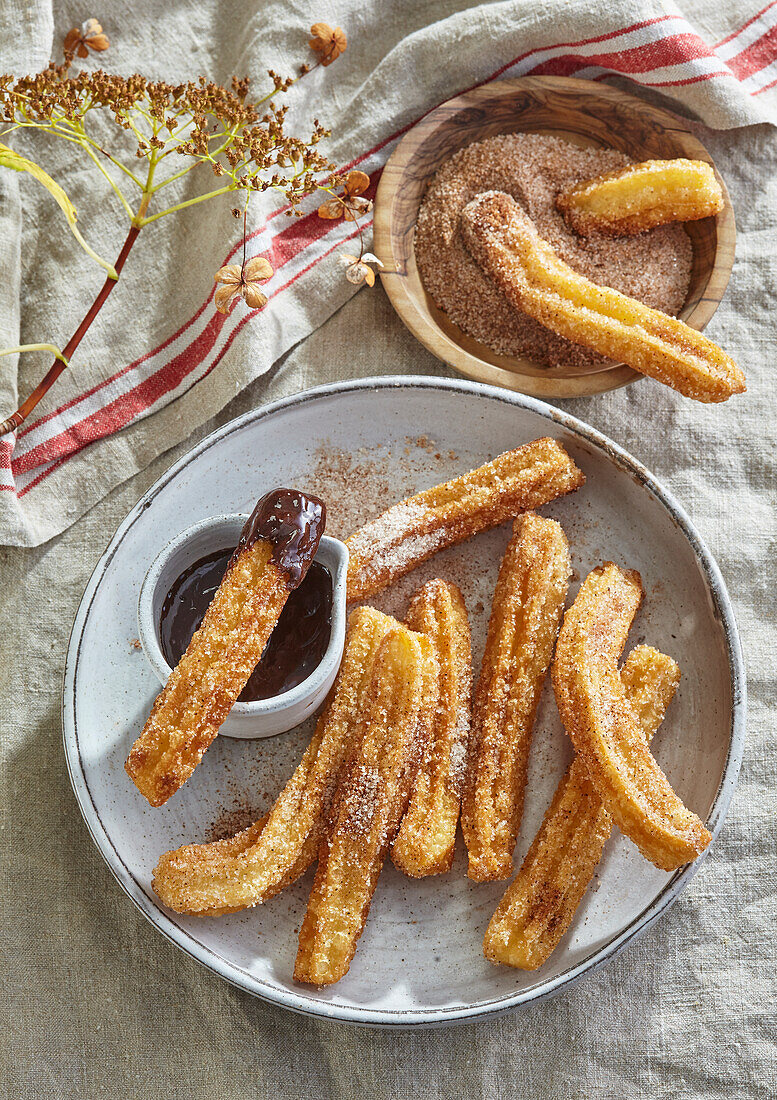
pixel 403 1018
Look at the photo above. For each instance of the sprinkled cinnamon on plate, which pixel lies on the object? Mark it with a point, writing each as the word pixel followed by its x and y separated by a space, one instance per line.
pixel 654 267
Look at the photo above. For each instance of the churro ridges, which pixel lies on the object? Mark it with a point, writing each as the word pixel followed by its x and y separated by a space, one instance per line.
pixel 371 798
pixel 640 196
pixel 247 869
pixel 426 839
pixel 505 243
pixel 604 729
pixel 209 677
pixel 276 546
pixel 539 904
pixel 526 611
pixel 415 529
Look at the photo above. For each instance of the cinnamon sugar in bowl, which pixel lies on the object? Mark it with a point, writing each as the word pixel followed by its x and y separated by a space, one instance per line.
pixel 532 137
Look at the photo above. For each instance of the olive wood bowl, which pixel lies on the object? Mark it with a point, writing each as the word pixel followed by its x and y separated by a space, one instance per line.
pixel 579 111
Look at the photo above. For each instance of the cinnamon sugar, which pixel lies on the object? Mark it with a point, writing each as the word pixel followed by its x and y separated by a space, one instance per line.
pixel 654 267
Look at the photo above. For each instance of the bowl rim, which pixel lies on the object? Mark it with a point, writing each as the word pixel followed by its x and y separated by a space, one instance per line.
pixel 299 1001
pixel 428 331
pixel 257 708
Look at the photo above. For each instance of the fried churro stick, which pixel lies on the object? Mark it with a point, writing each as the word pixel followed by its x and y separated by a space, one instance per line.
pixel 275 550
pixel 505 243
pixel 223 877
pixel 525 616
pixel 411 531
pixel 426 839
pixel 539 904
pixel 641 196
pixel 604 729
pixel 370 801
pixel 170 882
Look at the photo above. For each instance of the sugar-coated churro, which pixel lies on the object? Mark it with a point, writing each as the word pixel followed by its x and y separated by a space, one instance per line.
pixel 226 876
pixel 641 196
pixel 426 839
pixel 538 906
pixel 505 243
pixel 220 853
pixel 275 550
pixel 525 616
pixel 604 729
pixel 411 531
pixel 370 800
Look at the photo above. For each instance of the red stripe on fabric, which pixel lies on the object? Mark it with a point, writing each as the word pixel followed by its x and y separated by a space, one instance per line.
pixel 498 72
pixel 119 374
pixel 756 56
pixel 306 231
pixel 291 242
pixel 678 49
pixel 6 451
pixel 597 59
pixel 581 42
pixel 114 415
pixel 59 462
pixel 244 320
pixel 274 213
pixel 675 83
pixel 749 23
pixel 285 246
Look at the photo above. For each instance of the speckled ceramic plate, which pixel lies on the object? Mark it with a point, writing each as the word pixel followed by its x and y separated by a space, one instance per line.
pixel 361 446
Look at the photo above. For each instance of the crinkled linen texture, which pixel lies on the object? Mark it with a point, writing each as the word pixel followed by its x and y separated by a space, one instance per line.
pixel 95 1002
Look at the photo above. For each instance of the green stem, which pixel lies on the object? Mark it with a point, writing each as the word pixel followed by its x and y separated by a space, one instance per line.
pixel 141 221
pixel 37 347
pixel 109 156
pixel 209 159
pixel 119 193
pixel 112 272
pixel 61 362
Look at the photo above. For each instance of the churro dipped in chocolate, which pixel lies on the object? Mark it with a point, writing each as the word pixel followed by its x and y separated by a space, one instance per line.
pixel 276 547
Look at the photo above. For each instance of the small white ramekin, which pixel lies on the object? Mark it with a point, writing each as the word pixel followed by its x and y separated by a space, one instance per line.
pixel 265 717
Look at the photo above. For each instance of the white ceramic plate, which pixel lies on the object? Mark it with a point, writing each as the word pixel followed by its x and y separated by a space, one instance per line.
pixel 361 446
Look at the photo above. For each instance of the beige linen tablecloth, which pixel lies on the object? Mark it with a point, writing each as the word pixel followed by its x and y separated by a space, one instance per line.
pixel 95 1003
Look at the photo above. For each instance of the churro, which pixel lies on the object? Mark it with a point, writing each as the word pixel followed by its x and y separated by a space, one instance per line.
pixel 641 196
pixel 505 243
pixel 411 531
pixel 369 803
pixel 604 729
pixel 525 616
pixel 225 876
pixel 426 839
pixel 538 906
pixel 272 557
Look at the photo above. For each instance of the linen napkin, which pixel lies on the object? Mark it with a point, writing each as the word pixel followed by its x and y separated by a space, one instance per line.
pixel 159 360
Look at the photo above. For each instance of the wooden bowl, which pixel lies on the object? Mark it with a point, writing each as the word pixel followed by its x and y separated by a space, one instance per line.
pixel 582 112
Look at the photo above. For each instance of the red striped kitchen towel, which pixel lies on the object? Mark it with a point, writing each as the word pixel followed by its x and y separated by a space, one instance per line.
pixel 160 360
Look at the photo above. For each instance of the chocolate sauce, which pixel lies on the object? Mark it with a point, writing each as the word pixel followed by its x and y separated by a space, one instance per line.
pixel 296 646
pixel 294 523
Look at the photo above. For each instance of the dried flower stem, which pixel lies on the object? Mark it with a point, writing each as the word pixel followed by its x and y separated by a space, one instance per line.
pixel 201 121
pixel 16 419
